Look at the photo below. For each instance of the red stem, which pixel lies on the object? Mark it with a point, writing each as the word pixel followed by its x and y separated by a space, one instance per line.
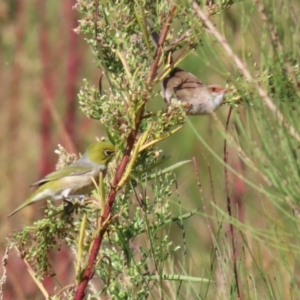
pixel 106 216
pixel 229 210
pixel 162 38
pixel 88 272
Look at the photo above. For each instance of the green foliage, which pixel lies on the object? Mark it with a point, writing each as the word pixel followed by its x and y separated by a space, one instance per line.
pixel 36 241
pixel 136 241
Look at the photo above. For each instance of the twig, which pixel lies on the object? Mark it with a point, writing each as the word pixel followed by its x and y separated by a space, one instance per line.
pixel 212 190
pixel 96 14
pixel 229 210
pixel 197 173
pixel 294 207
pixel 294 15
pixel 178 40
pixel 241 67
pixel 37 282
pixel 240 151
pixel 3 279
pixel 107 216
pixel 225 154
pixel 220 283
pixel 210 226
pixel 173 62
pixel 162 38
pixel 274 37
pixel 80 246
pixel 65 288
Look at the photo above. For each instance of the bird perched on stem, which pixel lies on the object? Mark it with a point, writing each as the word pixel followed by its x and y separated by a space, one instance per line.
pixel 179 85
pixel 75 180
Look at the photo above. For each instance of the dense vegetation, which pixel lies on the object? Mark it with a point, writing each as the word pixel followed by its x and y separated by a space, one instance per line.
pixel 204 207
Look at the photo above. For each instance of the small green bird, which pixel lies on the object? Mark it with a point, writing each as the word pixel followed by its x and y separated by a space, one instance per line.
pixel 75 180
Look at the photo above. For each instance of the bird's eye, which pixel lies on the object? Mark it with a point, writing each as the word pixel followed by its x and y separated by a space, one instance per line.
pixel 108 152
pixel 213 89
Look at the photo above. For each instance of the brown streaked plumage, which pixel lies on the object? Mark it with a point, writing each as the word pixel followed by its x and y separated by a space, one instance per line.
pixel 182 86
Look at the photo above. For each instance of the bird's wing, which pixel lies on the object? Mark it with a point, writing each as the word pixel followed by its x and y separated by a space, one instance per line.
pixel 184 85
pixel 67 171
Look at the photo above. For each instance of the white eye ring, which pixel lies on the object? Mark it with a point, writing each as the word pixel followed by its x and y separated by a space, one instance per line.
pixel 108 152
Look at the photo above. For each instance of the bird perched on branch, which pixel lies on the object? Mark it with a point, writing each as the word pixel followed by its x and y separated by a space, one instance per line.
pixel 179 85
pixel 75 180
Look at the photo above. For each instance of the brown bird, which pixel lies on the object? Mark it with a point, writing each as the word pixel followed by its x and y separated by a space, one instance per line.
pixel 196 97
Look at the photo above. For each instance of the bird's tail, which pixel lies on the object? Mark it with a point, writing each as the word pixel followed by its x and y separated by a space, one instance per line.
pixel 36 196
pixel 26 203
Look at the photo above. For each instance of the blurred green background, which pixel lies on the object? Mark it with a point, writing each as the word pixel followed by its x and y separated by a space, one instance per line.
pixel 43 64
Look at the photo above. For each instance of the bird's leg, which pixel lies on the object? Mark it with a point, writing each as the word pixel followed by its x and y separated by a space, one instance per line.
pixel 80 197
pixel 70 206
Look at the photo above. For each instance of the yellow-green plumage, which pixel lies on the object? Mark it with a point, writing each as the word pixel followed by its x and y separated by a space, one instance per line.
pixel 75 179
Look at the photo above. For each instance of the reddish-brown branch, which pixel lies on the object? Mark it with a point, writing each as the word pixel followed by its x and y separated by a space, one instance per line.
pixel 106 215
pixel 229 210
pixel 162 38
pixel 225 154
pixel 238 190
pixel 88 272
